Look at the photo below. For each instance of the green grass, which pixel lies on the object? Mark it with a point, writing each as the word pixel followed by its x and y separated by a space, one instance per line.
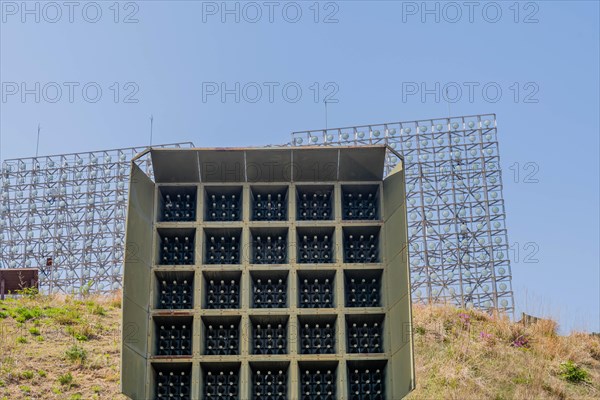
pixel 82 332
pixel 65 379
pixel 22 314
pixel 21 339
pixel 25 389
pixel 27 374
pixel 67 315
pixel 97 309
pixel 573 373
pixel 34 331
pixel 64 316
pixel 76 353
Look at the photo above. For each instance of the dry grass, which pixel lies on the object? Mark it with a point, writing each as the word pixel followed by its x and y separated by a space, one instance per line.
pixel 471 355
pixel 72 352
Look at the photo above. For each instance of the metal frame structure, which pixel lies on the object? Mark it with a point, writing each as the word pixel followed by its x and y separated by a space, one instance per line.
pixel 176 341
pixel 458 238
pixel 65 214
pixel 458 241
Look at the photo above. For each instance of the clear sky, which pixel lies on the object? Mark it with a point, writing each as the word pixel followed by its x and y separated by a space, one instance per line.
pixel 233 74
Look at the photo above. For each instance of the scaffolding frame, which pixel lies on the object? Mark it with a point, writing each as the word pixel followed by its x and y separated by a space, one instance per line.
pixel 458 242
pixel 65 214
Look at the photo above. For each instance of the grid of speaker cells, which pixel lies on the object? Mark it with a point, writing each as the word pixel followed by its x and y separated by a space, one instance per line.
pixel 361 247
pixel 317 384
pixel 222 206
pixel 316 293
pixel 221 384
pixel 360 206
pixel 269 293
pixel 287 282
pixel 365 337
pixel 269 248
pixel 178 206
pixel 317 337
pixel 221 339
pixel 173 385
pixel 314 205
pixel 222 294
pixel 315 249
pixel 176 249
pixel 269 383
pixel 366 383
pixel 269 205
pixel 222 248
pixel 363 291
pixel 269 338
pixel 176 294
pixel 174 340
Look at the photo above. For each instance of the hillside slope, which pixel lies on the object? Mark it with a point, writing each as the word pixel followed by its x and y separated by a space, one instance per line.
pixel 63 348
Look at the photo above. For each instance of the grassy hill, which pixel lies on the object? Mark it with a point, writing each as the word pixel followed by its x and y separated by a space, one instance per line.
pixel 65 348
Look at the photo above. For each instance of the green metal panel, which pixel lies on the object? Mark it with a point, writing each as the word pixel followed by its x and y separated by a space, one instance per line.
pixel 398 284
pixel 136 284
pixel 133 366
pixel 219 168
pixel 402 369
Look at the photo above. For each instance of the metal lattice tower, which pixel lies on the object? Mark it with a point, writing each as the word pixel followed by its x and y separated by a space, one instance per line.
pixel 456 218
pixel 65 214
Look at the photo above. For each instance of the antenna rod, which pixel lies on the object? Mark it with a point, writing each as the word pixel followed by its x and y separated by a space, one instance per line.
pixel 37 147
pixel 448 101
pixel 151 123
pixel 325 101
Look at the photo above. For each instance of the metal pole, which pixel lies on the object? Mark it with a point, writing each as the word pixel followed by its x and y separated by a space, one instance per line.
pixel 151 123
pixel 37 147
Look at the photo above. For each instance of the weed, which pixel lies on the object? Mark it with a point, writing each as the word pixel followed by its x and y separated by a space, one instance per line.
pixel 27 374
pixel 25 389
pixel 85 289
pixel 465 319
pixel 521 341
pixel 522 380
pixel 573 373
pixel 97 309
pixel 21 339
pixel 65 379
pixel 116 301
pixel 81 332
pixel 76 353
pixel 34 331
pixel 42 373
pixel 76 396
pixel 96 389
pixel 22 314
pixel 3 314
pixel 65 316
pixel 30 292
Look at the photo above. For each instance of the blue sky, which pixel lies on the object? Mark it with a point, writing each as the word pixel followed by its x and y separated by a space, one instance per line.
pixel 534 64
